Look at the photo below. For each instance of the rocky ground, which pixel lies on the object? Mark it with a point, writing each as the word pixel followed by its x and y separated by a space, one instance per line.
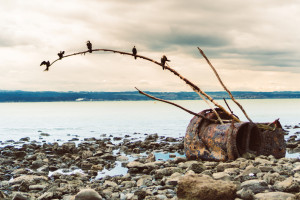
pixel 71 171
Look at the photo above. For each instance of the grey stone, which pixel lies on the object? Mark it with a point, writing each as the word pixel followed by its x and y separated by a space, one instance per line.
pixel 128 184
pixel 197 167
pixel 274 196
pixel 221 176
pixel 288 185
pixel 245 194
pixel 19 196
pixel 256 186
pixel 46 196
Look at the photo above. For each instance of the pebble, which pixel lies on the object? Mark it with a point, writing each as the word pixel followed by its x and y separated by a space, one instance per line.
pixel 69 171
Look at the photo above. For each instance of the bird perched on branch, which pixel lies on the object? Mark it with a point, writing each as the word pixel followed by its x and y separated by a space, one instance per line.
pixel 163 61
pixel 47 65
pixel 134 52
pixel 89 46
pixel 61 54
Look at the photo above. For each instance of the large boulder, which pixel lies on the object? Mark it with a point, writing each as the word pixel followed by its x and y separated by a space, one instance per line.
pixel 195 186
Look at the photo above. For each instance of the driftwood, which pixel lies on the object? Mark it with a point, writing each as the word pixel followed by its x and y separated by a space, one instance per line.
pixel 214 134
pixel 174 104
pixel 225 88
pixel 189 83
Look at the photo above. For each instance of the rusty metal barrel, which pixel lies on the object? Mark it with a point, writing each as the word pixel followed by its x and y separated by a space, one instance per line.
pixel 220 142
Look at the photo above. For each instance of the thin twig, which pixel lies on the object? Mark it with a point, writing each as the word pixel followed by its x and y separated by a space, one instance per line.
pixel 225 88
pixel 228 106
pixel 174 104
pixel 202 97
pixel 192 85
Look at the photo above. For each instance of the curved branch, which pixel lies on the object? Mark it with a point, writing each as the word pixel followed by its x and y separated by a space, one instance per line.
pixel 192 85
pixel 174 104
pixel 225 88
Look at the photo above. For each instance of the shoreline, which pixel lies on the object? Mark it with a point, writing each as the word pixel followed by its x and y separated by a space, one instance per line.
pixel 53 171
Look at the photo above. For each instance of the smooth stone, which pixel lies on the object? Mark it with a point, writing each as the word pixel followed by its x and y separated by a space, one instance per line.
pixel 256 186
pixel 203 187
pixel 274 196
pixel 88 194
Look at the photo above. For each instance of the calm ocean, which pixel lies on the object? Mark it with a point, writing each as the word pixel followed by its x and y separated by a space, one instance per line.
pixel 66 120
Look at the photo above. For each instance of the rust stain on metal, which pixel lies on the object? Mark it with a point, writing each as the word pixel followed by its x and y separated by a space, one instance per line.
pixel 220 142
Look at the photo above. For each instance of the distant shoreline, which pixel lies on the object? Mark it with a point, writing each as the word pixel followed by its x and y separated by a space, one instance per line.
pixel 49 96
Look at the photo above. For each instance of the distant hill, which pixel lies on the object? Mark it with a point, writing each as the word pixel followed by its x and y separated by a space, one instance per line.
pixel 47 96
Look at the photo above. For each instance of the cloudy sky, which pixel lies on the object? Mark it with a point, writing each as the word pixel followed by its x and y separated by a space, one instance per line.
pixel 254 44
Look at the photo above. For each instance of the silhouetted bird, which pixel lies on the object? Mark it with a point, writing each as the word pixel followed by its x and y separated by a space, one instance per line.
pixel 163 61
pixel 61 54
pixel 134 52
pixel 47 65
pixel 89 46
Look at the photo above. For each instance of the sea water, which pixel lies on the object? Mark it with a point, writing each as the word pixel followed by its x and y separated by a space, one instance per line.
pixel 63 121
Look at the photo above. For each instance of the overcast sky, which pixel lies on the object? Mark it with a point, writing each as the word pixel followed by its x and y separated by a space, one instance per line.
pixel 253 44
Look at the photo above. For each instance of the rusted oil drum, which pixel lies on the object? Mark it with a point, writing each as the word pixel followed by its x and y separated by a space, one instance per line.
pixel 220 142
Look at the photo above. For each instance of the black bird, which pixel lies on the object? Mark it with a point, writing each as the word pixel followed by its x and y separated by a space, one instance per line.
pixel 163 61
pixel 89 46
pixel 47 65
pixel 61 54
pixel 134 52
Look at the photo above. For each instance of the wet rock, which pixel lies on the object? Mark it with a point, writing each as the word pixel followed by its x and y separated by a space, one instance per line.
pixel 271 178
pixel 36 164
pixel 88 194
pixel 274 196
pixel 144 180
pixel 141 194
pixel 152 137
pixel 85 165
pixel 245 194
pixel 20 154
pixel 288 185
pixel 135 164
pixel 44 134
pixel 173 179
pixel 25 139
pixel 117 138
pixel 160 173
pixel 179 160
pixel 197 167
pixel 97 167
pixel 19 196
pixel 68 147
pixel 128 184
pixel 222 166
pixel 202 187
pixel 46 196
pixel 108 156
pixel 109 184
pixel 256 186
pixel 31 179
pixel 37 187
pixel 151 158
pixel 122 158
pixel 221 176
pixel 86 154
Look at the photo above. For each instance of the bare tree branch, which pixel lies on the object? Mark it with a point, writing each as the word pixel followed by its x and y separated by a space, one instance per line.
pixel 174 104
pixel 192 85
pixel 225 88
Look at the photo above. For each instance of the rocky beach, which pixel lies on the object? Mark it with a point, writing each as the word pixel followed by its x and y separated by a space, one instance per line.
pixel 74 170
